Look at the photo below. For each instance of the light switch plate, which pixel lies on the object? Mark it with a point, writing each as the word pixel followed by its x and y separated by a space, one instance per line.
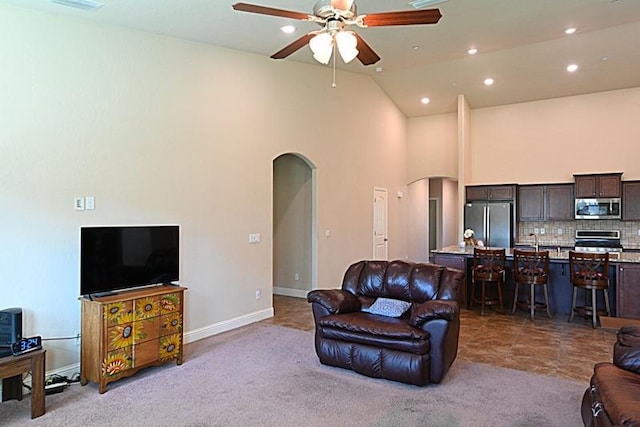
pixel 254 238
pixel 78 203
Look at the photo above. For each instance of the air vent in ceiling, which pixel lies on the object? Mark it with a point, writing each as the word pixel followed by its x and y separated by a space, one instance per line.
pixel 80 4
pixel 421 4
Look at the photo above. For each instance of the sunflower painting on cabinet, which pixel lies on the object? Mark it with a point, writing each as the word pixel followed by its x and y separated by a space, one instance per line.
pixel 170 346
pixel 147 307
pixel 116 363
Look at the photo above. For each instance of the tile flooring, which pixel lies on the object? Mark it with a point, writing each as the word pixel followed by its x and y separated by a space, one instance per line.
pixel 545 346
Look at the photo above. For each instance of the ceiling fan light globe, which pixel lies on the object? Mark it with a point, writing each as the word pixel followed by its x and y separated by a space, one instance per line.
pixel 347 45
pixel 322 47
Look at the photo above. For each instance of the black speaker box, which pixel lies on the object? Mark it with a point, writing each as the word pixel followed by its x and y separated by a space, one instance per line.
pixel 10 326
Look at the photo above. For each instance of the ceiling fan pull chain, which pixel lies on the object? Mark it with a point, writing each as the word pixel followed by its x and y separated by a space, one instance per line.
pixel 333 84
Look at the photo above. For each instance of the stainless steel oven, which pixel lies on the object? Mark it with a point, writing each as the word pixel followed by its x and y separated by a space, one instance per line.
pixel 599 241
pixel 598 208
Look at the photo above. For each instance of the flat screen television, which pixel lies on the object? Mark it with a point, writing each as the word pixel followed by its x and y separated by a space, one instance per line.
pixel 115 258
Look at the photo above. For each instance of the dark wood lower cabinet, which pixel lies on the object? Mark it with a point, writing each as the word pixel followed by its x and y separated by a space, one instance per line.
pixel 628 286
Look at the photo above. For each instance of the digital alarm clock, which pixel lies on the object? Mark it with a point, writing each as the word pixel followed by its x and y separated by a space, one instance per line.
pixel 26 345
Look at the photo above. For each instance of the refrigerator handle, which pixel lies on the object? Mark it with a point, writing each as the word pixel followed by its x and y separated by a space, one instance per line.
pixel 487 229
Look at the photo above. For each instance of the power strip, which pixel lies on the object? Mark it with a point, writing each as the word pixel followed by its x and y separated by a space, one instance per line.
pixel 55 388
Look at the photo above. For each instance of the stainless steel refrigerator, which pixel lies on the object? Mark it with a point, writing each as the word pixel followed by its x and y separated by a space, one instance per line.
pixel 491 222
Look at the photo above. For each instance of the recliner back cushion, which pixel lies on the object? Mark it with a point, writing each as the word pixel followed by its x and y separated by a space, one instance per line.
pixel 451 283
pixel 371 280
pixel 394 279
pixel 397 280
pixel 425 282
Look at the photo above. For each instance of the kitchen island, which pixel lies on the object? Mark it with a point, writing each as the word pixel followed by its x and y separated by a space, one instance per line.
pixel 624 280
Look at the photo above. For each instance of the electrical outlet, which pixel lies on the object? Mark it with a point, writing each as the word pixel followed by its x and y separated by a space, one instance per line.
pixel 296 276
pixel 560 231
pixel 258 293
pixel 542 231
pixel 254 238
pixel 536 230
pixel 89 203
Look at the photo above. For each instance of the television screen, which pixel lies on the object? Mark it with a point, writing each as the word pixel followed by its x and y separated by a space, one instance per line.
pixel 116 258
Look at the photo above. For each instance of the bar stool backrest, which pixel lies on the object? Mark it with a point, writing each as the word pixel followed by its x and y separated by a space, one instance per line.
pixel 488 264
pixel 531 267
pixel 589 270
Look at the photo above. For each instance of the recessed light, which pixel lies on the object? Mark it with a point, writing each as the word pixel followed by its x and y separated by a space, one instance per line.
pixel 572 68
pixel 472 51
pixel 570 30
pixel 425 101
pixel 415 47
pixel 604 58
pixel 288 29
pixel 488 81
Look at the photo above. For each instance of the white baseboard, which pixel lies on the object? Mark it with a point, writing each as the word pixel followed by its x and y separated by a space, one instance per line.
pixel 288 292
pixel 227 325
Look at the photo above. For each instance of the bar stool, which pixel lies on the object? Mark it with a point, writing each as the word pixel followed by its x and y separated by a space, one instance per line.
pixel 589 271
pixel 531 268
pixel 488 269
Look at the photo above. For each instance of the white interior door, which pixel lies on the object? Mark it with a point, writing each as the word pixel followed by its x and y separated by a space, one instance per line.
pixel 380 240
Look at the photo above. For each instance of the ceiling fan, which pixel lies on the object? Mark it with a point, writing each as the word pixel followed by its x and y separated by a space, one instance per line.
pixel 335 16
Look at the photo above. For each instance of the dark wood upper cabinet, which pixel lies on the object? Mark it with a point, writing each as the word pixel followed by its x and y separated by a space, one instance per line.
pixel 598 185
pixel 490 192
pixel 545 202
pixel 560 202
pixel 631 200
pixel 531 203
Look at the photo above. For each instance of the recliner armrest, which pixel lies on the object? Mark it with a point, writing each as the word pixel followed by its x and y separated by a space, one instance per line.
pixel 433 309
pixel 335 300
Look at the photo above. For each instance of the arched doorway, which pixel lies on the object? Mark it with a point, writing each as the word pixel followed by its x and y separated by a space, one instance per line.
pixel 294 226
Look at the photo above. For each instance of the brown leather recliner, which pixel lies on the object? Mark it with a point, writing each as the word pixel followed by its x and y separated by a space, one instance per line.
pixel 416 348
pixel 613 399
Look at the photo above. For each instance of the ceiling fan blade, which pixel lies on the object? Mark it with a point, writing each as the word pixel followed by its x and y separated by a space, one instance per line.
pixel 366 55
pixel 263 10
pixel 293 47
pixel 411 17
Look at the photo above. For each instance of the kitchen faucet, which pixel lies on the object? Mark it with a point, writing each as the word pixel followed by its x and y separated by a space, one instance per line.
pixel 535 236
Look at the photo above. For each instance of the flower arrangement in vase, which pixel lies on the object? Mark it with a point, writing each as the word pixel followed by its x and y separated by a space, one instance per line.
pixel 469 240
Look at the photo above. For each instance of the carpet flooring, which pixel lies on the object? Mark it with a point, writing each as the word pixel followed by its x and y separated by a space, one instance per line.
pixel 265 375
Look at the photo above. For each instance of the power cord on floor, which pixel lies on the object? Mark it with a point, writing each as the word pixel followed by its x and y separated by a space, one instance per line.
pixel 58 383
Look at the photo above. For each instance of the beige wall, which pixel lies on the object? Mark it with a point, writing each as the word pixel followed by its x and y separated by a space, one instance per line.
pixel 549 141
pixel 431 147
pixel 418 220
pixel 449 207
pixel 161 130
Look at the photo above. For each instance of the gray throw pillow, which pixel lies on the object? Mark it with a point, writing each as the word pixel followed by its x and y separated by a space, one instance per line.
pixel 388 307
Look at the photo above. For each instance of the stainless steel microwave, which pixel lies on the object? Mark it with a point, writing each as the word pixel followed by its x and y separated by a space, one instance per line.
pixel 598 208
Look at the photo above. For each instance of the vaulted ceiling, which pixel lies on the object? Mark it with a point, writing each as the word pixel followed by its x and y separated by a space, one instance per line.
pixel 521 44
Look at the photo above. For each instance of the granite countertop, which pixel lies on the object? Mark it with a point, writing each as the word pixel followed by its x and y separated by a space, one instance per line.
pixel 563 254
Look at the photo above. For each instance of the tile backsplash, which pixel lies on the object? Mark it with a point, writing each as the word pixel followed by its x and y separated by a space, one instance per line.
pixel 562 233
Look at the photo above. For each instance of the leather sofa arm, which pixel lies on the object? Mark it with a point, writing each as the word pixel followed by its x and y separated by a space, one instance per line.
pixel 433 309
pixel 334 300
pixel 626 350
